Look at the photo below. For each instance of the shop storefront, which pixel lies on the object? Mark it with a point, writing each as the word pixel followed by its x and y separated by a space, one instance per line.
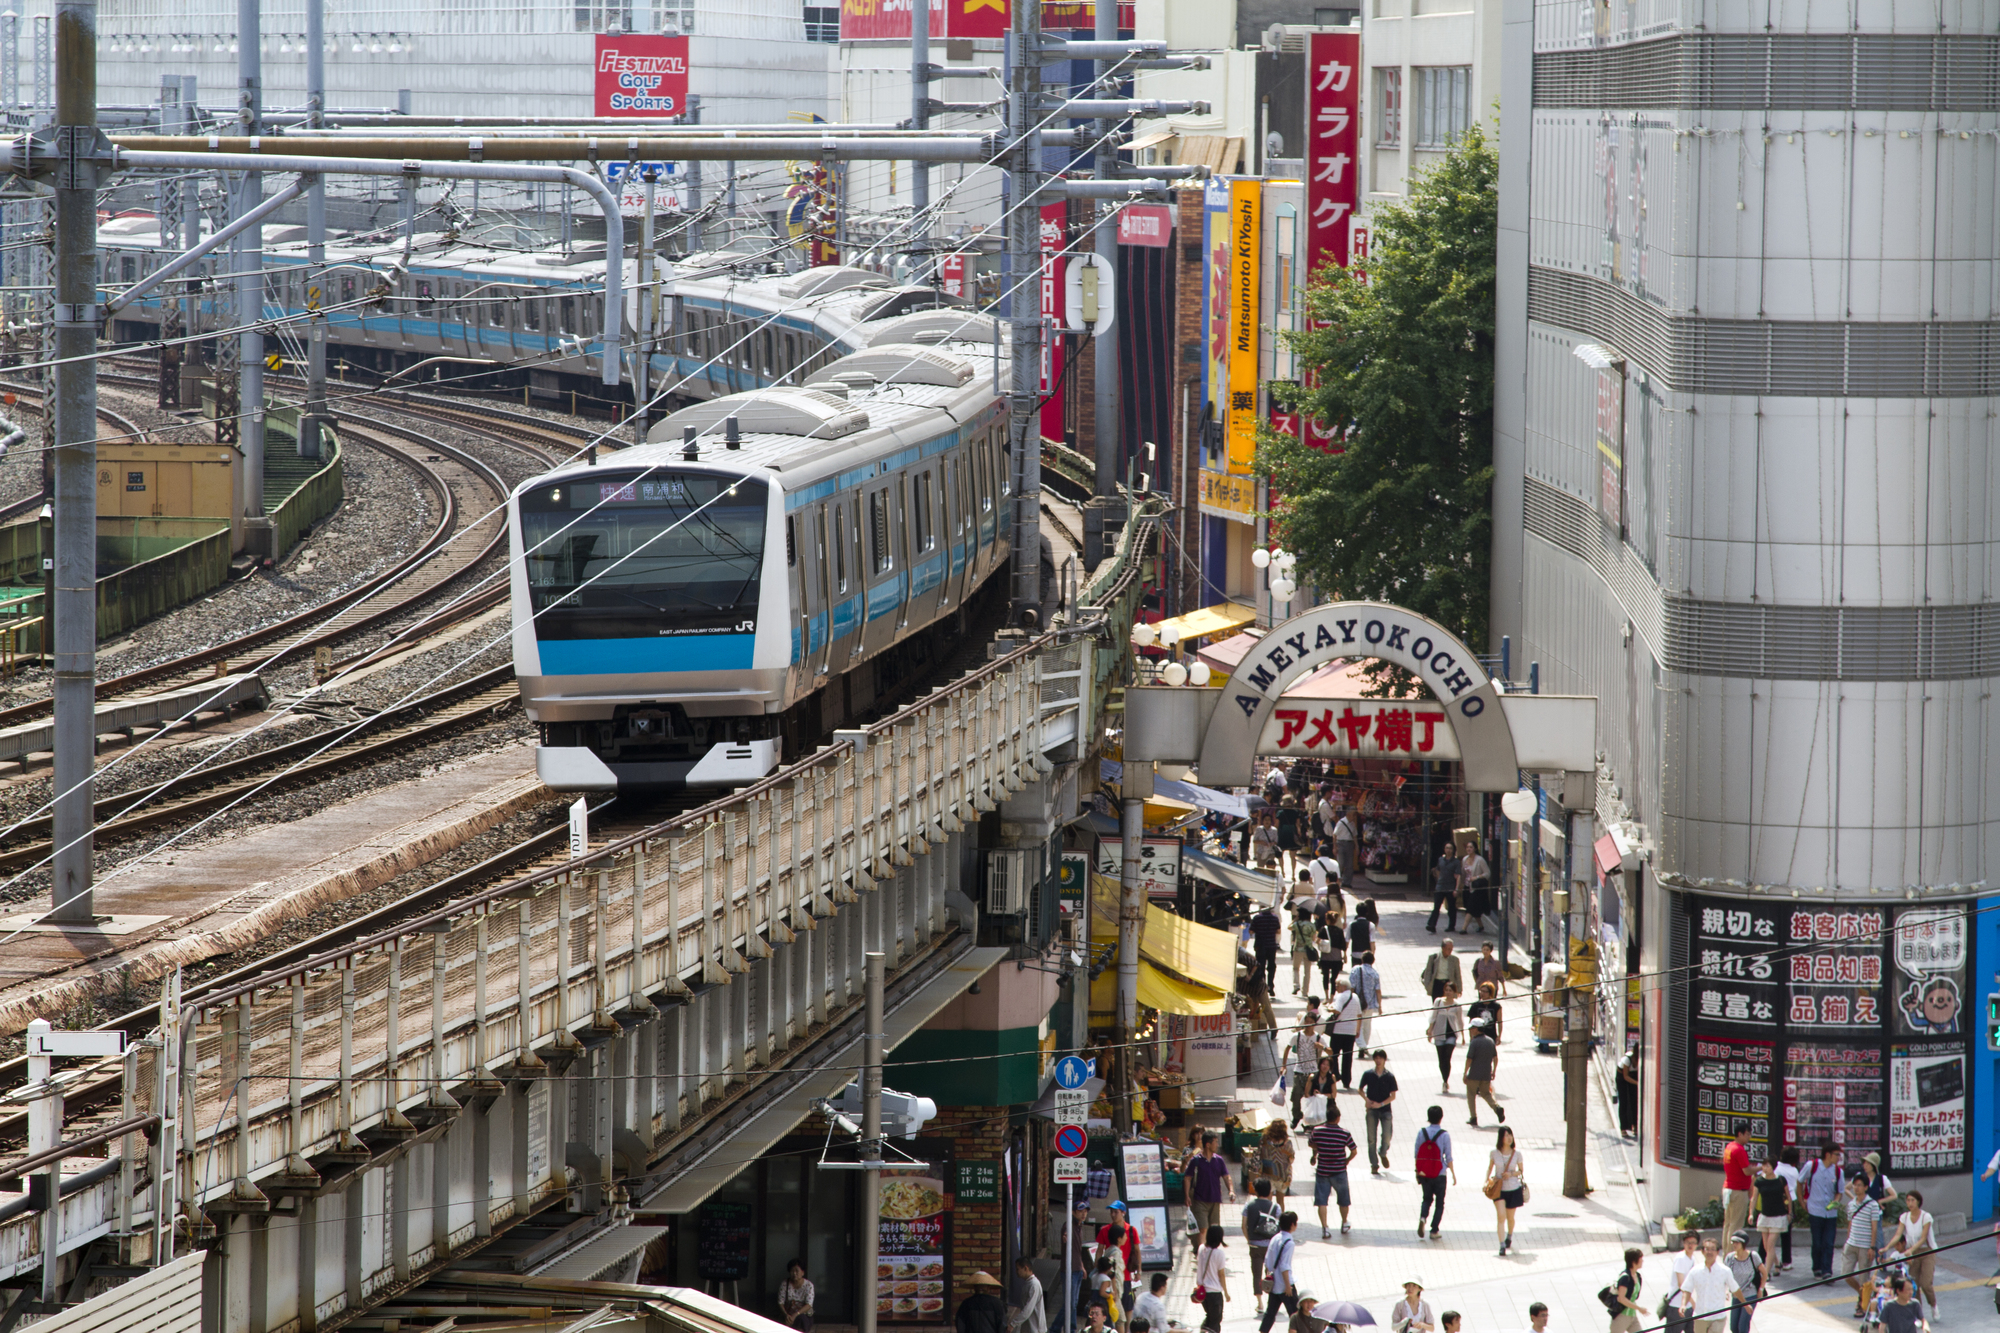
pixel 1811 1024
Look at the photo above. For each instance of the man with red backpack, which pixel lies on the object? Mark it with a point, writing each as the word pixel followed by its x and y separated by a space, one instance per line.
pixel 1433 1160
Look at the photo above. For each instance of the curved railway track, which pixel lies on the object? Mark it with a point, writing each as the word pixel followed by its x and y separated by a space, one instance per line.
pixel 467 489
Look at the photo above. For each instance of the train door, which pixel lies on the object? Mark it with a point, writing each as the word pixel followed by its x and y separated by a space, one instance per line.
pixel 798 580
pixel 827 557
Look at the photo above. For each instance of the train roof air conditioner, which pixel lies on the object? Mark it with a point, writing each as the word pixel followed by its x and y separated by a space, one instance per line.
pixel 777 411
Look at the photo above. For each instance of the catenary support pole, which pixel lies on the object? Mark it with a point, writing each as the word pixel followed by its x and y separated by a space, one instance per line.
pixel 693 238
pixel 1578 1011
pixel 250 282
pixel 920 119
pixel 314 417
pixel 1024 430
pixel 75 463
pixel 1105 389
pixel 872 1021
pixel 648 302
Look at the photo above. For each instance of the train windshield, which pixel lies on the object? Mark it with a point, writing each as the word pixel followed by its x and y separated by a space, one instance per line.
pixel 630 555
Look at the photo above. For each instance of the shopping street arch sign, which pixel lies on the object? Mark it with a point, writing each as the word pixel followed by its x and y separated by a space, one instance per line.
pixel 1220 729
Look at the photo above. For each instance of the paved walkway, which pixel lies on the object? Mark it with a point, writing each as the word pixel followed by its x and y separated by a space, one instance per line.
pixel 1564 1249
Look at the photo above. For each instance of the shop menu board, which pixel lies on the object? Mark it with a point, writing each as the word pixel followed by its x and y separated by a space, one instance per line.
pixel 910 1264
pixel 722 1242
pixel 1156 1238
pixel 1825 1025
pixel 1145 1176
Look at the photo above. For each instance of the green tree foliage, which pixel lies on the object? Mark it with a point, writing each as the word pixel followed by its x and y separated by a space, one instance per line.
pixel 1403 363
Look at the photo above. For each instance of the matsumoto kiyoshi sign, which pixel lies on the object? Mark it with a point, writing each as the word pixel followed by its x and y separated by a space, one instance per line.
pixel 1467 696
pixel 641 75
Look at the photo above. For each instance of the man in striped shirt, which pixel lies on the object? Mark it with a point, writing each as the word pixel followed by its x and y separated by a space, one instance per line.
pixel 1332 1149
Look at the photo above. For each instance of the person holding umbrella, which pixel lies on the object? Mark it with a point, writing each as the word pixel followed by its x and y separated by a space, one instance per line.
pixel 1344 1315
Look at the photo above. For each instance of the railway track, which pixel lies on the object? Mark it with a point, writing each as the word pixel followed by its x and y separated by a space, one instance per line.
pixel 435 716
pixel 467 489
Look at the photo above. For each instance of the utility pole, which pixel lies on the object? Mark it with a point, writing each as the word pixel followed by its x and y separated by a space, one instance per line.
pixel 250 283
pixel 1577 1009
pixel 80 149
pixel 1134 787
pixel 694 191
pixel 1024 225
pixel 920 119
pixel 871 1138
pixel 642 363
pixel 315 415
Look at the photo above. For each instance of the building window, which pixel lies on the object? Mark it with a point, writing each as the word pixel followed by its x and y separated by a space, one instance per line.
pixel 1444 105
pixel 822 23
pixel 1334 18
pixel 1389 106
pixel 674 16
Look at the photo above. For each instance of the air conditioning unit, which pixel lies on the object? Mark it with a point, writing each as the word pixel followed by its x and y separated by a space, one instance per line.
pixel 1010 876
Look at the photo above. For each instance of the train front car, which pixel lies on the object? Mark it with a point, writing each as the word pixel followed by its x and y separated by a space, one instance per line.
pixel 651 628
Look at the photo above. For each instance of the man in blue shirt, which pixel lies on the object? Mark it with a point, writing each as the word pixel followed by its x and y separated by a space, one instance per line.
pixel 1433 1160
pixel 1278 1267
pixel 1822 1181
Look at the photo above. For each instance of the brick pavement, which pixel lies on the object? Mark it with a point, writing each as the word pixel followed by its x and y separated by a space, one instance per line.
pixel 1564 1249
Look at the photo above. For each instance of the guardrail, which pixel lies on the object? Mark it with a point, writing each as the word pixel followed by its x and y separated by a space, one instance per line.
pixel 285 1084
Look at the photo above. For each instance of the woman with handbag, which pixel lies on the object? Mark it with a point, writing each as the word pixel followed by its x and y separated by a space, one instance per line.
pixel 1211 1280
pixel 1506 1185
pixel 1446 1028
pixel 1321 1084
pixel 1477 877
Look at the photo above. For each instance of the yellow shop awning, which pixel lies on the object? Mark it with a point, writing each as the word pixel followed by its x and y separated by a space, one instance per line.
pixel 1204 955
pixel 1222 618
pixel 1157 990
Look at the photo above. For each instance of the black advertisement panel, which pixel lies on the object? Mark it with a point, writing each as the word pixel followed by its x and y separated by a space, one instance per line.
pixel 1824 1025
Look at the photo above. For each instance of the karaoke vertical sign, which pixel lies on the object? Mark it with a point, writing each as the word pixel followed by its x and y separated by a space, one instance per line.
pixel 1333 138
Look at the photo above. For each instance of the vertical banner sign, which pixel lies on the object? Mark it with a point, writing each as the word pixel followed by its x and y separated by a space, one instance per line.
pixel 951 274
pixel 1215 293
pixel 640 74
pixel 911 1264
pixel 1055 225
pixel 1241 422
pixel 1333 135
pixel 1611 446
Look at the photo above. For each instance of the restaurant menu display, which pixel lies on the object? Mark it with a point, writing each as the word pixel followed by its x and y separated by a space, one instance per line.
pixel 910 1262
pixel 722 1241
pixel 1827 1024
pixel 1145 1176
pixel 1156 1238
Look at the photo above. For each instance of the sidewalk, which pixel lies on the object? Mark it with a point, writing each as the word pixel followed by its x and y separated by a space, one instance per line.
pixel 1564 1249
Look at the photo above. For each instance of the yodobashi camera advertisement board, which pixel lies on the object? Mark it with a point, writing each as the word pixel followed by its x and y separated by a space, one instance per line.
pixel 641 74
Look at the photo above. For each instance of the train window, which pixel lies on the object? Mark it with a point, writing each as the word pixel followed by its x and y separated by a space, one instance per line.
pixel 531 312
pixel 496 306
pixel 346 288
pixel 878 526
pixel 130 267
pixel 425 291
pixel 840 547
pixel 791 541
pixel 566 314
pixel 925 532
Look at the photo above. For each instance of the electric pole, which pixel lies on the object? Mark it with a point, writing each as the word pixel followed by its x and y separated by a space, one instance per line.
pixel 920 119
pixel 80 152
pixel 1105 389
pixel 872 1020
pixel 250 283
pixel 314 417
pixel 1024 225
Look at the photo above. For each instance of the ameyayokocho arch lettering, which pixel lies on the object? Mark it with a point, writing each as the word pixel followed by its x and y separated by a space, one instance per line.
pixel 1361 629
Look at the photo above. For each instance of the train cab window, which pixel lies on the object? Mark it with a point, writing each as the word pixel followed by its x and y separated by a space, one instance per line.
pixel 878 527
pixel 840 547
pixel 924 531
